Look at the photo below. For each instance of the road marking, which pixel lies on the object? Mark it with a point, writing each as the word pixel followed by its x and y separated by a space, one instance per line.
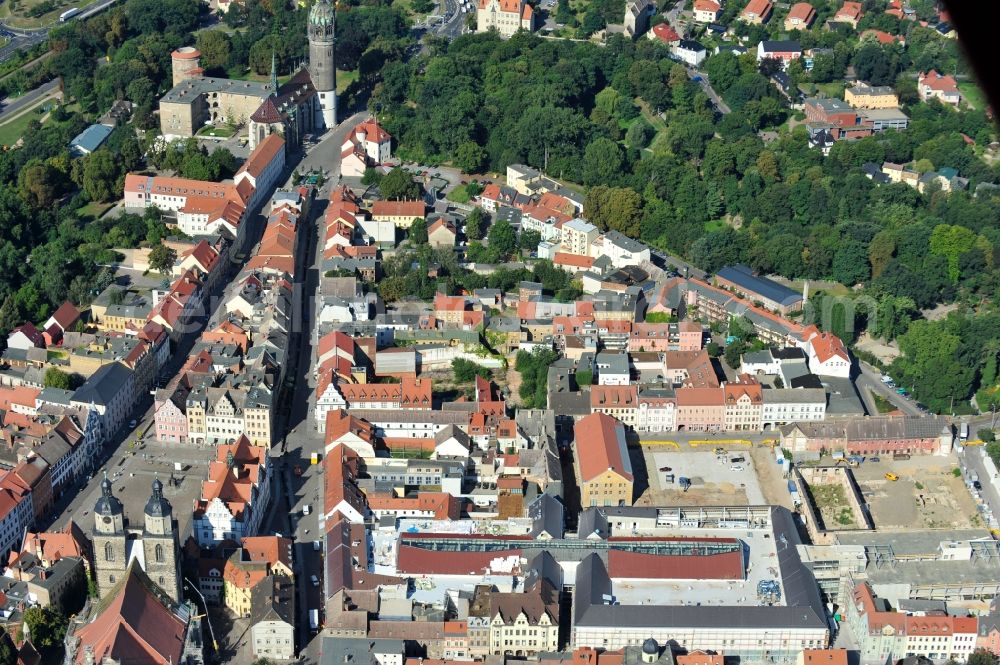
pixel 660 443
pixel 722 442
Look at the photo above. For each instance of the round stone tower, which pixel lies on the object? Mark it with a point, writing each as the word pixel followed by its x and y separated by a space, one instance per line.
pixel 322 66
pixel 185 63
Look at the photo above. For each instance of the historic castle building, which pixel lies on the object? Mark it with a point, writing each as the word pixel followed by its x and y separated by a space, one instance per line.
pixel 305 103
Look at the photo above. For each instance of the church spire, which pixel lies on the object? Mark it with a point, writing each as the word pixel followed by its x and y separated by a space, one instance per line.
pixel 274 73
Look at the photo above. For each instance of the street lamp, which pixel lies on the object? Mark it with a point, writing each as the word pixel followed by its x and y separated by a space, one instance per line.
pixel 193 587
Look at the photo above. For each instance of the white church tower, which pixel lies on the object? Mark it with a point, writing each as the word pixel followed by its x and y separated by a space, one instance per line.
pixel 322 65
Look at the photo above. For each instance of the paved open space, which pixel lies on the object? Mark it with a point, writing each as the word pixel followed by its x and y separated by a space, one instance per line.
pixel 927 494
pixel 132 474
pixel 714 482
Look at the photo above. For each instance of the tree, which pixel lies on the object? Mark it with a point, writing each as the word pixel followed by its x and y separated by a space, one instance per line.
pixel 56 378
pixel 615 208
pixel 850 263
pixel 502 240
pixel 371 177
pixel 39 184
pixel 985 435
pixel 214 48
pixel 465 371
pixel 100 173
pixel 981 656
pixel 162 258
pixel 584 377
pixel 470 157
pixel 529 240
pixel 474 224
pixel 603 162
pixel 639 134
pixel 398 184
pixel 8 652
pixel 951 242
pixel 48 628
pixel 417 232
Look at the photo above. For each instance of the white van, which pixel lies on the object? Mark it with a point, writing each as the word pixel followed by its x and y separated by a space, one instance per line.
pixel 314 580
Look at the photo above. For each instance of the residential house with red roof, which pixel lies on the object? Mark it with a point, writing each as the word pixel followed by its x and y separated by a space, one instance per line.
pixel 757 11
pixel 400 213
pixel 827 354
pixel 442 233
pixel 422 505
pixel 235 495
pixel 744 404
pixel 701 409
pixel 262 169
pixel 343 429
pixel 601 462
pixel 932 85
pixel 25 336
pixel 341 495
pixel 505 16
pixel 800 17
pixel 849 13
pixel 368 146
pixel 63 320
pixel 886 634
pixel 663 33
pixel 707 11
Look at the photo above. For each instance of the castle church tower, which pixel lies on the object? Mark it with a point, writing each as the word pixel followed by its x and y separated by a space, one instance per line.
pixel 110 554
pixel 322 66
pixel 159 544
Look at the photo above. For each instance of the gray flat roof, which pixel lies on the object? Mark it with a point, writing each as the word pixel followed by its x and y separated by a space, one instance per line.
pixel 743 277
pixel 187 91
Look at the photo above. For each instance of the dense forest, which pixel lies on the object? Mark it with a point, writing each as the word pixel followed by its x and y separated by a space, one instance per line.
pixel 52 246
pixel 662 165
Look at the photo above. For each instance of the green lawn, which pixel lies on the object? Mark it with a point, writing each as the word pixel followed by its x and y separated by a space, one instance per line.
pixel 460 194
pixel 834 89
pixel 221 131
pixel 93 210
pixel 714 225
pixel 13 130
pixel 882 404
pixel 345 78
pixel 972 94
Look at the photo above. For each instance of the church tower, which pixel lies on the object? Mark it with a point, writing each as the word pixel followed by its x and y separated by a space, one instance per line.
pixel 322 66
pixel 159 543
pixel 110 554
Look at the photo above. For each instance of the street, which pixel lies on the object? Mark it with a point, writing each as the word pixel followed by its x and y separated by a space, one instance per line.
pixel 10 107
pixel 22 38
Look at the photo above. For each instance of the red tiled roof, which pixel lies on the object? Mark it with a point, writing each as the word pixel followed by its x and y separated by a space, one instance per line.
pixel 418 561
pixel 706 6
pixel 267 112
pixel 665 33
pixel 850 11
pixel 373 130
pixel 414 209
pixel 135 627
pixel 824 656
pixel 614 397
pixel 66 315
pixel 263 155
pixel 638 565
pixel 575 260
pixel 802 11
pixel 757 7
pixel 339 423
pixel 936 81
pixel 700 397
pixel 600 446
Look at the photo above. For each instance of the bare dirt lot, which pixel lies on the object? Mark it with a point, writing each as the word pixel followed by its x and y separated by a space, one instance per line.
pixel 927 494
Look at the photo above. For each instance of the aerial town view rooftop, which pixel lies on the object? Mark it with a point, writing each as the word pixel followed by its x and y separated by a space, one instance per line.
pixel 523 332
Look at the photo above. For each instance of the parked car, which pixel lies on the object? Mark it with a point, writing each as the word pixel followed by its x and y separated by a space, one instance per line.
pixel 873 459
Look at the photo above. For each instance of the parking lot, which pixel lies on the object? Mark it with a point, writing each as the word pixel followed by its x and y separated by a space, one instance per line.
pixel 716 480
pixel 927 494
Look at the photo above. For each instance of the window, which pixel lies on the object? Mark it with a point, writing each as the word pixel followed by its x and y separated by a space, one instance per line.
pixel 159 555
pixel 109 553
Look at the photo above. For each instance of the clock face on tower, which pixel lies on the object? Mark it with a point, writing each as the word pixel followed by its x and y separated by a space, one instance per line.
pixel 106 519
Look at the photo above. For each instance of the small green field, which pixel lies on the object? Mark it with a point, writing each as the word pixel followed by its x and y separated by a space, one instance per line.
pixel 972 94
pixel 220 131
pixel 93 210
pixel 714 225
pixel 345 78
pixel 462 194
